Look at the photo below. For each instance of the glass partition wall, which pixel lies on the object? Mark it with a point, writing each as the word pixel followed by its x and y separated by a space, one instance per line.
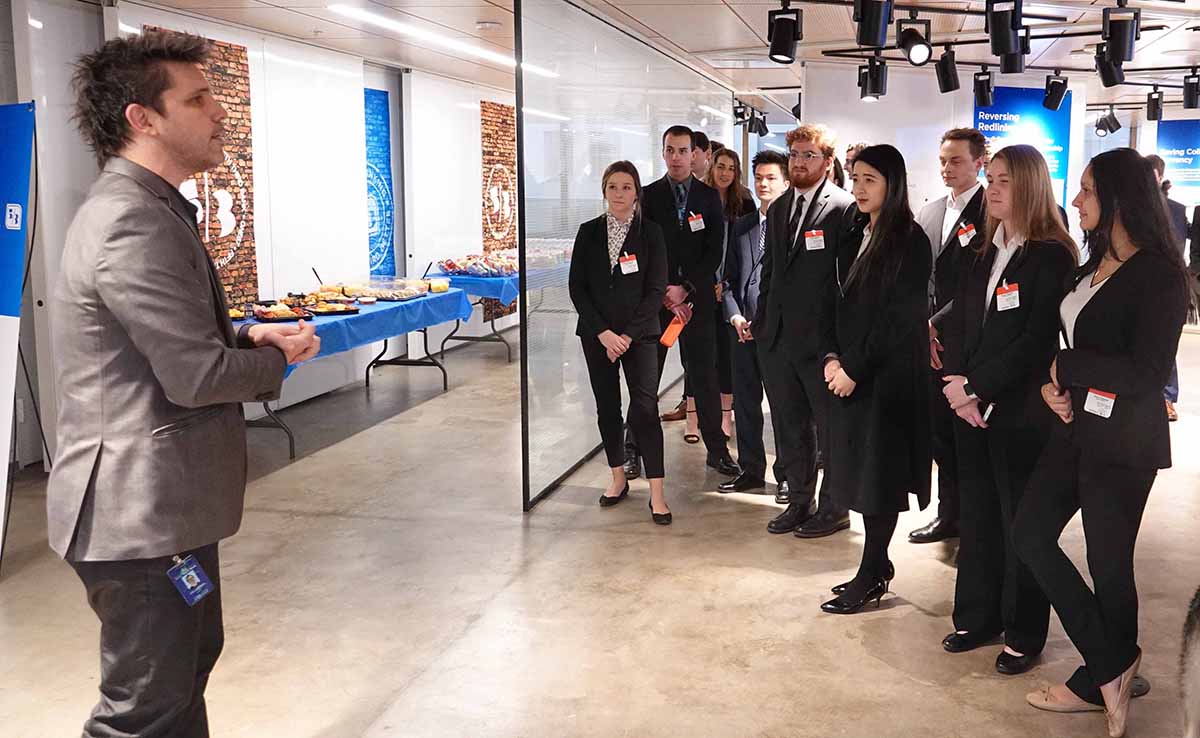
pixel 588 94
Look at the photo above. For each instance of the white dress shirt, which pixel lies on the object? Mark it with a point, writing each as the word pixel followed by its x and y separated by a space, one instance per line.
pixel 1075 301
pixel 1005 248
pixel 954 209
pixel 808 203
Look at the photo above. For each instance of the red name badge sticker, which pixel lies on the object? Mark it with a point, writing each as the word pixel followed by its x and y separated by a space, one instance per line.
pixel 1008 297
pixel 814 240
pixel 628 264
pixel 1099 402
pixel 966 234
pixel 696 222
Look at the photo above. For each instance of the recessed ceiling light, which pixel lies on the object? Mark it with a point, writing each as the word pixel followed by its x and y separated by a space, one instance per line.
pixel 486 25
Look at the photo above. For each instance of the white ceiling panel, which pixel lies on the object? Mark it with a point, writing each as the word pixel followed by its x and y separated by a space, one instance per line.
pixel 286 22
pixel 207 4
pixel 696 28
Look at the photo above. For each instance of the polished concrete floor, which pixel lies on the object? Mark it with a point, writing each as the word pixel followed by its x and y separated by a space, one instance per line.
pixel 388 585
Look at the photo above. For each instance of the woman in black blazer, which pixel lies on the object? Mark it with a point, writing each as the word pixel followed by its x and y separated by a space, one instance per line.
pixel 1001 334
pixel 617 282
pixel 1121 321
pixel 877 365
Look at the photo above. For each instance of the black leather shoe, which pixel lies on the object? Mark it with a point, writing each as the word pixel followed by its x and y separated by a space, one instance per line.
pixel 888 576
pixel 783 494
pixel 937 530
pixel 841 605
pixel 1011 665
pixel 796 515
pixel 741 483
pixel 962 642
pixel 725 465
pixel 633 466
pixel 824 524
pixel 606 501
pixel 659 518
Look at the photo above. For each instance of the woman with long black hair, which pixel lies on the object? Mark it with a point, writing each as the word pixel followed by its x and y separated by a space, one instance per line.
pixel 1121 322
pixel 617 281
pixel 1000 335
pixel 877 367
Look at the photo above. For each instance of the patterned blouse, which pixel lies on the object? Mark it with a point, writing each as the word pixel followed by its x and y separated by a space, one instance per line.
pixel 617 231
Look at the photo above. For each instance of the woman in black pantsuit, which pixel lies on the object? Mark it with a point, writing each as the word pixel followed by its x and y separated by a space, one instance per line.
pixel 877 366
pixel 1002 334
pixel 617 281
pixel 1121 321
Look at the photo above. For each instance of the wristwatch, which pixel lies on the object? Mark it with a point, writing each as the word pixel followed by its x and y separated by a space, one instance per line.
pixel 970 392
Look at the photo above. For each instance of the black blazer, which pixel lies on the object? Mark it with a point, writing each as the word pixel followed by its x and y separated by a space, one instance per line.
pixel 795 280
pixel 947 267
pixel 1006 355
pixel 1125 343
pixel 605 298
pixel 693 258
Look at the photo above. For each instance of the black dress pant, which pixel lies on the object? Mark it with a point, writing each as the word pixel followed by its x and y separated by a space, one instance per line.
pixel 799 395
pixel 995 591
pixel 155 652
pixel 725 339
pixel 747 404
pixel 942 421
pixel 640 363
pixel 1102 623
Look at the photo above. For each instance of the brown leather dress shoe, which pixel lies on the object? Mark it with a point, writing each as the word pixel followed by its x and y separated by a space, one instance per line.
pixel 679 413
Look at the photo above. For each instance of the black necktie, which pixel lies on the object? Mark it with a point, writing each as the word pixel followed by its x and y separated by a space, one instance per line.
pixel 794 223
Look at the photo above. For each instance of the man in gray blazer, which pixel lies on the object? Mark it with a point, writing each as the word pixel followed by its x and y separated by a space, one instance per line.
pixel 150 468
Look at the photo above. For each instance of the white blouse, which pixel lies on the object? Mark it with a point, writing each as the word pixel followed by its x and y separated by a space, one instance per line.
pixel 1074 303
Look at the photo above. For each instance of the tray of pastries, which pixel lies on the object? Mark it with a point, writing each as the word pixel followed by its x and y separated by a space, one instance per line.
pixel 331 308
pixel 494 264
pixel 237 314
pixel 392 290
pixel 280 312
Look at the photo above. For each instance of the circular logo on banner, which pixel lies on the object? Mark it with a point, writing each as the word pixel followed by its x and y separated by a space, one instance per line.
pixel 219 203
pixel 380 220
pixel 501 206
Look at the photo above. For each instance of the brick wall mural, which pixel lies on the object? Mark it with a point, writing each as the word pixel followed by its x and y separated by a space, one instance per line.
pixel 498 127
pixel 225 195
pixel 381 213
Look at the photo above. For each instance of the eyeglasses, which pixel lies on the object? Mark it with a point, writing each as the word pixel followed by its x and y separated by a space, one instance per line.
pixel 804 155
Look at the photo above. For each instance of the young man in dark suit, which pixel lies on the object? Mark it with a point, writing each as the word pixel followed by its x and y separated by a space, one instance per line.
pixel 1177 212
pixel 739 301
pixel 804 230
pixel 689 214
pixel 955 225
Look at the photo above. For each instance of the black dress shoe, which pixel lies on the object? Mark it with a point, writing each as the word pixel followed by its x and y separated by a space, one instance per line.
pixel 633 466
pixel 888 576
pixel 796 515
pixel 741 483
pixel 1011 665
pixel 782 493
pixel 962 642
pixel 937 530
pixel 725 465
pixel 606 501
pixel 842 605
pixel 659 518
pixel 824 523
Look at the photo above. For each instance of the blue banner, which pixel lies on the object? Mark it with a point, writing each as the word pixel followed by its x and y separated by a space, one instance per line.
pixel 1179 146
pixel 1018 117
pixel 381 210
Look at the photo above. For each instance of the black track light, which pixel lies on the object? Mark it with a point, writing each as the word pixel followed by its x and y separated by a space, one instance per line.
pixel 873 18
pixel 798 108
pixel 1002 20
pixel 912 36
pixel 1154 105
pixel 1108 123
pixel 984 88
pixel 1102 126
pixel 763 130
pixel 1015 63
pixel 1056 90
pixel 1111 73
pixel 785 28
pixel 1122 28
pixel 739 114
pixel 947 72
pixel 872 79
pixel 1191 89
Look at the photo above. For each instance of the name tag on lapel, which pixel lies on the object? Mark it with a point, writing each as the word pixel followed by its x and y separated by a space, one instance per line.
pixel 814 240
pixel 966 234
pixel 1100 403
pixel 696 222
pixel 1008 297
pixel 628 263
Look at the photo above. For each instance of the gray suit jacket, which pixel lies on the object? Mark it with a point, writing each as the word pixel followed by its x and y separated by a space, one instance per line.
pixel 151 456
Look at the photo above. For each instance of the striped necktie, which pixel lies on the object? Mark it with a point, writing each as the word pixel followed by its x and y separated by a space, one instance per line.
pixel 680 201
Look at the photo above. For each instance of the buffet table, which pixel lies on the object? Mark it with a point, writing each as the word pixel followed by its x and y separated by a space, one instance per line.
pixel 379 322
pixel 503 288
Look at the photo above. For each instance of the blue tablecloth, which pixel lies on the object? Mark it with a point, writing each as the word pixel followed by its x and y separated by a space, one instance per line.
pixel 385 320
pixel 504 289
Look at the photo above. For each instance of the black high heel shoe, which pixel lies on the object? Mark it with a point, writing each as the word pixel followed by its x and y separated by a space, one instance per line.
pixel 887 577
pixel 659 518
pixel 606 501
pixel 841 606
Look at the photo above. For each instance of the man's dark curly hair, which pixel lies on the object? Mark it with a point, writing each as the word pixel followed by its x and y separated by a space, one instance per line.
pixel 123 72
